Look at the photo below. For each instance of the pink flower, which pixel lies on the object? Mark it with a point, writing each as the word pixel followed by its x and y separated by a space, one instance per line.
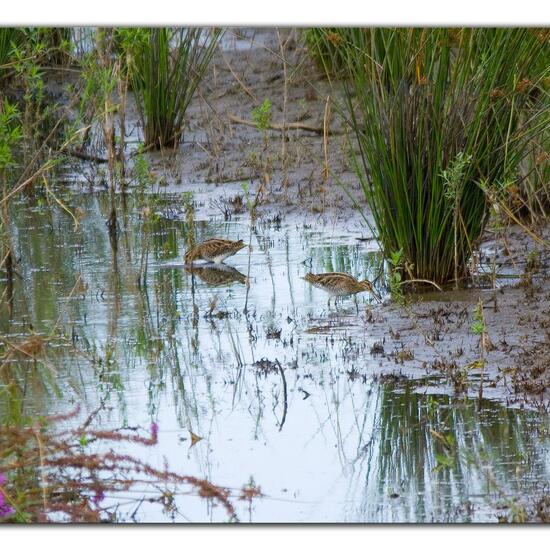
pixel 154 430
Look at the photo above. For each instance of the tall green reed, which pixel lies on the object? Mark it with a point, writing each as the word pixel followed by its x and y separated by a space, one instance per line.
pixel 166 67
pixel 419 102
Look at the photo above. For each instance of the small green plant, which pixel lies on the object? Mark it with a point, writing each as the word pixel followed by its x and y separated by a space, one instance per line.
pixel 261 115
pixel 29 77
pixel 396 267
pixel 10 135
pixel 251 205
pixel 142 173
pixel 478 326
pixel 453 178
pixel 97 103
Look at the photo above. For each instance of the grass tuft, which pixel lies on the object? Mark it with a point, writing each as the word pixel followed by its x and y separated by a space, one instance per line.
pixel 441 117
pixel 166 67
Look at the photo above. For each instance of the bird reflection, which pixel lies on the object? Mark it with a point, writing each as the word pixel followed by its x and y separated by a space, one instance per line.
pixel 217 274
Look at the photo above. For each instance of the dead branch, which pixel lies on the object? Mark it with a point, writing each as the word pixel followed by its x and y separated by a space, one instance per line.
pixel 85 156
pixel 280 127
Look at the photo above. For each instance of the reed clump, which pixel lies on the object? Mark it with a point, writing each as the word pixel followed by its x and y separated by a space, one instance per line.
pixel 166 66
pixel 443 119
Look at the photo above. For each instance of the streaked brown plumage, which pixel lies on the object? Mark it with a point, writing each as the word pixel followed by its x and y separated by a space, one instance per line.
pixel 213 250
pixel 217 275
pixel 340 284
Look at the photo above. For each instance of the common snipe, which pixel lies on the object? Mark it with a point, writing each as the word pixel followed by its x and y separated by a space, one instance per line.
pixel 340 284
pixel 213 250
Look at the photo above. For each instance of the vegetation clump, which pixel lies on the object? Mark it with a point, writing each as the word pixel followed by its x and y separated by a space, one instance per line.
pixel 166 67
pixel 440 119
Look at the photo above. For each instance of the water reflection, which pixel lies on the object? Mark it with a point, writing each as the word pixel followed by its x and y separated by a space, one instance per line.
pixel 280 391
pixel 437 459
pixel 217 275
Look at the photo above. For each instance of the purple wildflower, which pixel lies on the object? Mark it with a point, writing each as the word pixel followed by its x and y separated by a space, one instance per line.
pixel 98 497
pixel 154 430
pixel 5 509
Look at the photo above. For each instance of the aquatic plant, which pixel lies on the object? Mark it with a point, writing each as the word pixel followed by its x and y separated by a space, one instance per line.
pixel 419 99
pixel 166 67
pixel 59 474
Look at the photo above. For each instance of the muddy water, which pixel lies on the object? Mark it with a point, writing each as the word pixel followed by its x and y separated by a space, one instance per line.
pixel 281 388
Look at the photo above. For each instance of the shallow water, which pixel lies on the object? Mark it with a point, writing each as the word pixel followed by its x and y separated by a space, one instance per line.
pixel 282 389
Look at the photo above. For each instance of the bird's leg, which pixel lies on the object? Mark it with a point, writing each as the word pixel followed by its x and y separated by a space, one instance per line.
pixel 328 303
pixel 356 304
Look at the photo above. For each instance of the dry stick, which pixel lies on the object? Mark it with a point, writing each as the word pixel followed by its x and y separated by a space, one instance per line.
pixel 285 100
pixel 122 95
pixel 482 345
pixel 245 310
pixel 325 172
pixel 42 467
pixel 22 351
pixel 75 286
pixel 408 281
pixel 60 203
pixel 44 168
pixel 4 259
pixel 242 84
pixel 85 156
pixel 326 124
pixel 533 235
pixel 285 396
pixel 104 45
pixel 280 127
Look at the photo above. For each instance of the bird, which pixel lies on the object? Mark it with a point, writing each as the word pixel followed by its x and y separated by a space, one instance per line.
pixel 213 250
pixel 340 284
pixel 217 275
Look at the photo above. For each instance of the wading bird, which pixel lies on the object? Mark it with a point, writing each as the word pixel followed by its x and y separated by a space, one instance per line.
pixel 213 250
pixel 340 284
